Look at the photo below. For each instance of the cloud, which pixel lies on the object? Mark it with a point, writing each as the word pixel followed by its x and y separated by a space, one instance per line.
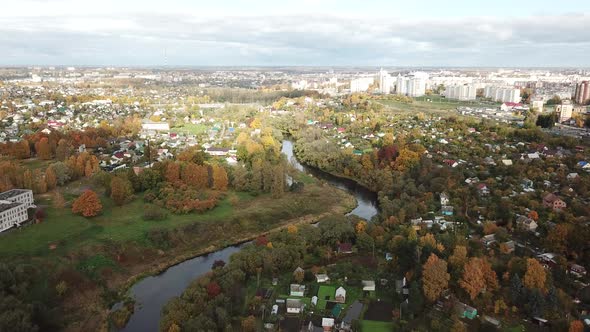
pixel 140 38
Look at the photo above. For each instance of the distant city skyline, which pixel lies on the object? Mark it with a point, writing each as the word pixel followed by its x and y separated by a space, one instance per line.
pixel 296 33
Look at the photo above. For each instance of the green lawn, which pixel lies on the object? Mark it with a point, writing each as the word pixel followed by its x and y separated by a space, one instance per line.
pixel 192 129
pixel 375 326
pixel 430 104
pixel 116 223
pixel 325 293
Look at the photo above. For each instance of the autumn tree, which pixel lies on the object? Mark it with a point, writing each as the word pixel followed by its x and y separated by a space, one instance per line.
pixel 459 257
pixel 121 190
pixel 50 178
pixel 43 150
pixel 435 277
pixel 557 237
pixel 213 289
pixel 533 215
pixel 249 324
pixel 220 180
pixel 360 227
pixel 22 150
pixel 172 172
pixel 535 276
pixel 576 326
pixel 40 185
pixel 478 277
pixel 88 204
pixel 28 179
pixel 298 275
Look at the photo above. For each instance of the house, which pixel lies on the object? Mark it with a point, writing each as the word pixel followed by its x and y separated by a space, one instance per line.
pixel 219 152
pixel 483 189
pixel 509 246
pixel 401 285
pixel 447 210
pixel 577 270
pixel 572 176
pixel 340 295
pixel 13 207
pixel 527 185
pixel 320 278
pixel 506 162
pixel 314 300
pixel 327 324
pixel 353 313
pixel 297 290
pixel 444 199
pixel 493 321
pixel 298 271
pixel 553 202
pixel 368 285
pixel 345 248
pixel 294 306
pixel 275 309
pixel 526 223
pixel 488 240
pixel 465 311
pixel 388 256
pixel 509 106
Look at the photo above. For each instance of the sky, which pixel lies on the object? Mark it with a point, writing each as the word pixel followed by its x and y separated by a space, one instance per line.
pixel 466 33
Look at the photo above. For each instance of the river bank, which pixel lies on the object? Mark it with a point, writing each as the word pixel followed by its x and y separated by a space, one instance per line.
pixel 152 289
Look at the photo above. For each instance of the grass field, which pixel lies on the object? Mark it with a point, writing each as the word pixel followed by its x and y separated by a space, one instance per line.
pixel 432 104
pixel 374 326
pixel 325 293
pixel 116 223
pixel 123 224
pixel 192 129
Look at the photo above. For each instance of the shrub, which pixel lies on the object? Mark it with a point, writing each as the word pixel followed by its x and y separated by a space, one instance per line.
pixel 151 212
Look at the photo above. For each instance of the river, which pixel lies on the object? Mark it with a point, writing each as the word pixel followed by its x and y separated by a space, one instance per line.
pixel 152 293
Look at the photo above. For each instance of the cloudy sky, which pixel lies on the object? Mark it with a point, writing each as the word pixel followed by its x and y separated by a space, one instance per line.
pixel 503 33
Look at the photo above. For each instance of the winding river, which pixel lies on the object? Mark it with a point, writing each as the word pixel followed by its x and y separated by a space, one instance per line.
pixel 152 293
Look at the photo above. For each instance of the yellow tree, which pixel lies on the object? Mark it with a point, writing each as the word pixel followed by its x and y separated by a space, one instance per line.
pixel 50 178
pixel 435 278
pixel 535 276
pixel 459 257
pixel 361 226
pixel 220 180
pixel 478 276
pixel 249 324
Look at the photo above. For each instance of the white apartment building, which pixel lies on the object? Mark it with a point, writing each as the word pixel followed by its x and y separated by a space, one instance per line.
pixel 503 94
pixel 361 84
pixel 13 207
pixel 413 86
pixel 537 104
pixel 565 110
pixel 461 92
pixel 386 82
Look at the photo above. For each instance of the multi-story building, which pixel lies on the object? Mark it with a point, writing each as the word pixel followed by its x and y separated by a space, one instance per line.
pixel 401 85
pixel 582 94
pixel 565 110
pixel 461 92
pixel 13 207
pixel 385 82
pixel 537 104
pixel 413 86
pixel 503 94
pixel 361 84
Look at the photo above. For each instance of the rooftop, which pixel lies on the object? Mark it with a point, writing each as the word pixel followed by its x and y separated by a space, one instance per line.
pixel 12 193
pixel 4 206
